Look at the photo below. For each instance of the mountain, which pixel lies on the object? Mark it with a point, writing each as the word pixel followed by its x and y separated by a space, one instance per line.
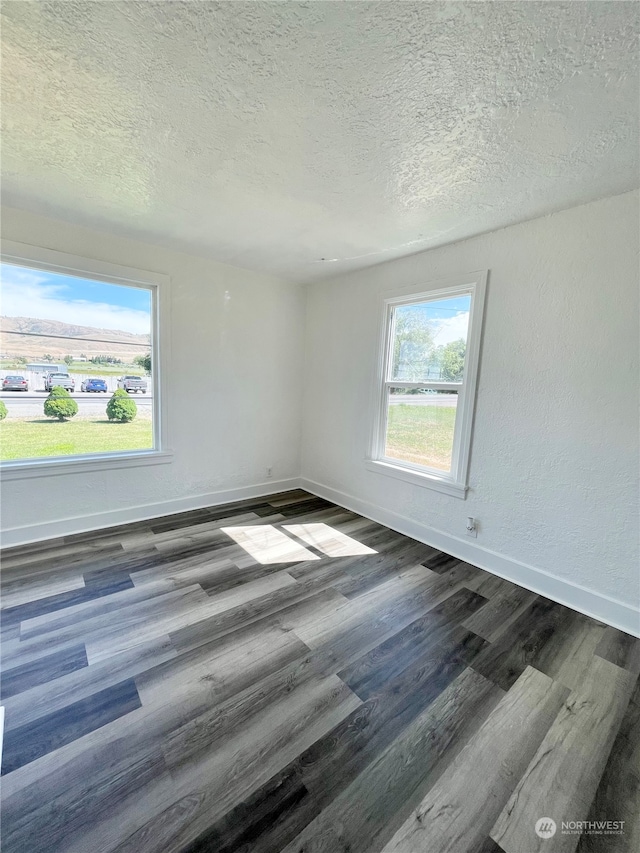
pixel 33 338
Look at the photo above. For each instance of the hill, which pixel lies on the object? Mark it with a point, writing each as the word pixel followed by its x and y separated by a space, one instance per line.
pixel 30 337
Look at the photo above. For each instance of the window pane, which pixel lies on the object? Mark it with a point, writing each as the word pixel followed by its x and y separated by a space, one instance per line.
pixel 420 426
pixel 430 340
pixel 86 337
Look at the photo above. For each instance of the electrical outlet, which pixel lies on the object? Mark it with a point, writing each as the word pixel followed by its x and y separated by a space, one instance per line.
pixel 472 527
pixel 269 472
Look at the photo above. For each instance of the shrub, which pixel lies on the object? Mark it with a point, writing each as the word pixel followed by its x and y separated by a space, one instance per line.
pixel 3 411
pixel 121 407
pixel 60 405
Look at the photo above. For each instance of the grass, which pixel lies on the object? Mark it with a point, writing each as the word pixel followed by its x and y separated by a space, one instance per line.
pixel 26 438
pixel 90 369
pixel 421 434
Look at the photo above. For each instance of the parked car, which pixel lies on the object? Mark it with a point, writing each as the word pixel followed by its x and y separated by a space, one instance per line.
pixel 132 383
pixel 15 383
pixel 61 380
pixel 94 385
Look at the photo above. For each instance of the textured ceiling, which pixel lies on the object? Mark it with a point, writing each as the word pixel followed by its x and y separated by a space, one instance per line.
pixel 271 135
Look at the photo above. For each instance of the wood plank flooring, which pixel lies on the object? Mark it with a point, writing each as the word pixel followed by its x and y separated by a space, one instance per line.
pixel 282 675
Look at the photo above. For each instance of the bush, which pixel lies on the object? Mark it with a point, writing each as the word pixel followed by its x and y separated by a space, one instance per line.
pixel 60 405
pixel 3 411
pixel 121 407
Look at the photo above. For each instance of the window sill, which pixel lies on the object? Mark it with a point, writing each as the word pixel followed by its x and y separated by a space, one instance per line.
pixel 26 469
pixel 418 478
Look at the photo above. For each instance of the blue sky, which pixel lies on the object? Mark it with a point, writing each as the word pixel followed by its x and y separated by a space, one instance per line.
pixel 447 307
pixel 26 292
pixel 447 318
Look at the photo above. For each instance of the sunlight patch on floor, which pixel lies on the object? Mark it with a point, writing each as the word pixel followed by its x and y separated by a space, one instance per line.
pixel 331 542
pixel 267 545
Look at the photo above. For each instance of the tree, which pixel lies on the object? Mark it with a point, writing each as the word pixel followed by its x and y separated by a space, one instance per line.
pixel 47 357
pixel 3 411
pixel 452 364
pixel 144 362
pixel 412 345
pixel 60 405
pixel 121 407
pixel 68 360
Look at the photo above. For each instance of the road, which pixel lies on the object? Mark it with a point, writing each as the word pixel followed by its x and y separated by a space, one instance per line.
pixel 424 399
pixel 29 404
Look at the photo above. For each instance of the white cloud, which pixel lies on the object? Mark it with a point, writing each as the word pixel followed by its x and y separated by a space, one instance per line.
pixel 451 328
pixel 25 293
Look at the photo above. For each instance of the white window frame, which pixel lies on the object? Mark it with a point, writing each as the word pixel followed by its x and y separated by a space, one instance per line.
pixel 35 257
pixel 455 482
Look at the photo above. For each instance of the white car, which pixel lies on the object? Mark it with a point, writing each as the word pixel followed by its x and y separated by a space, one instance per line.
pixel 132 383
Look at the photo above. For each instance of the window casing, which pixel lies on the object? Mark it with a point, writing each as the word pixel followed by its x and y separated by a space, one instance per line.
pixel 37 258
pixel 419 432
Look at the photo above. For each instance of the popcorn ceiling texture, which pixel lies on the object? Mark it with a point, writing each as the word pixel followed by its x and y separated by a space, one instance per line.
pixel 270 135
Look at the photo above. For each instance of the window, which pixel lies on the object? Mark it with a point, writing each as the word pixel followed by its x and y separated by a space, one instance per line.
pixel 426 385
pixel 79 364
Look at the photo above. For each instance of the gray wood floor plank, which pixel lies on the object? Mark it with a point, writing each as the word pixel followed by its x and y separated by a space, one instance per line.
pixel 72 616
pixel 458 812
pixel 262 822
pixel 208 788
pixel 134 617
pixel 19 592
pixel 488 585
pixel 19 679
pixel 254 610
pixel 199 606
pixel 499 613
pixel 217 670
pixel 43 558
pixel 372 807
pixel 394 655
pixel 287 731
pixel 43 699
pixel 568 658
pixel 64 808
pixel 214 710
pixel 539 637
pixel 620 648
pixel 561 781
pixel 242 701
pixel 618 793
pixel 412 584
pixel 321 772
pixel 27 742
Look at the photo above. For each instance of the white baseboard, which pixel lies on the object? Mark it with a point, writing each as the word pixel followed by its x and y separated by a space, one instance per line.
pixel 601 607
pixel 98 521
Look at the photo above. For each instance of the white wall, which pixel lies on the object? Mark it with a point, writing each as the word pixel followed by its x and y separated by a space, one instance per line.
pixel 554 465
pixel 234 391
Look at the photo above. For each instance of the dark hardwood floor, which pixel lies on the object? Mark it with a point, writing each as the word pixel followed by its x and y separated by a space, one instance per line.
pixel 284 675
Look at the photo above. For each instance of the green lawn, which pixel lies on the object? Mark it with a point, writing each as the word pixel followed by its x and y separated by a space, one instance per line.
pixel 421 434
pixel 26 438
pixel 90 369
